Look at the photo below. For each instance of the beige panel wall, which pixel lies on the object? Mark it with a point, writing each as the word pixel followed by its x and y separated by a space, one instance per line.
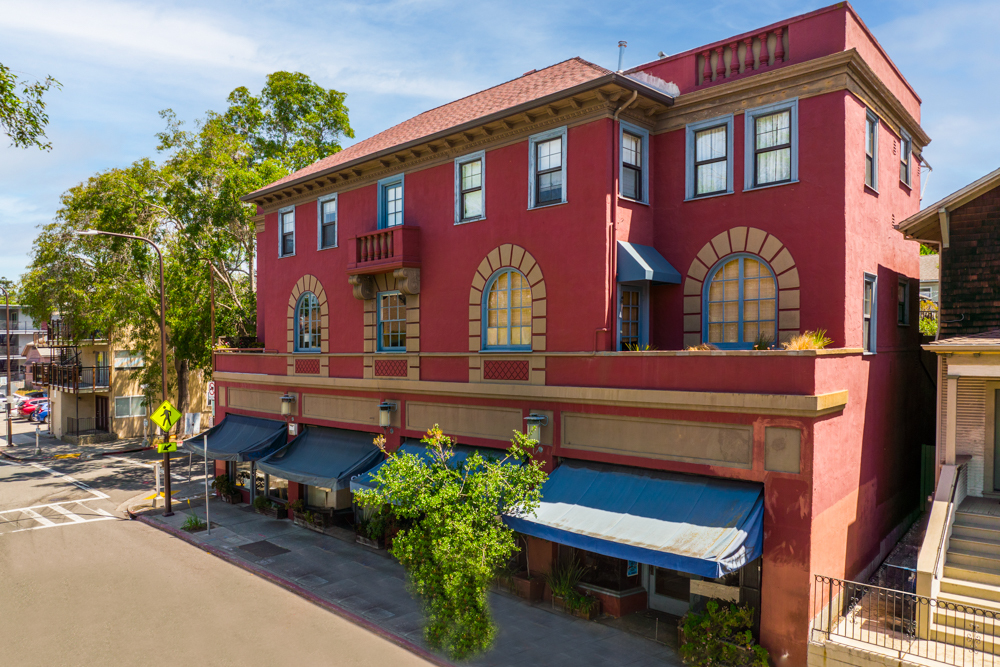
pixel 339 408
pixel 716 444
pixel 465 420
pixel 970 429
pixel 252 399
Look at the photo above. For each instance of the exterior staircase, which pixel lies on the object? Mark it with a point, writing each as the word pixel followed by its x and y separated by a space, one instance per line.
pixel 971 579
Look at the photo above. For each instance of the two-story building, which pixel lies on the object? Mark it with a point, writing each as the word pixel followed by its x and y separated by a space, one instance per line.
pixel 22 329
pixel 618 258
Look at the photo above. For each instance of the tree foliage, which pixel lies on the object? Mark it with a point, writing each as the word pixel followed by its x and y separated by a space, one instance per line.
pixel 454 540
pixel 23 117
pixel 189 204
pixel 721 636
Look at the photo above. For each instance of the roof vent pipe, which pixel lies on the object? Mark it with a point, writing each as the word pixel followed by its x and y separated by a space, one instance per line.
pixel 621 54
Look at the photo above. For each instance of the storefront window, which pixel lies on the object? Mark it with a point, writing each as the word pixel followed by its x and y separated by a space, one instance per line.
pixel 318 496
pixel 243 472
pixel 603 571
pixel 277 488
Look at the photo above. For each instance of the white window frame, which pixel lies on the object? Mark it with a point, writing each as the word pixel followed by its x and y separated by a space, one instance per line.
pixel 319 222
pixel 904 138
pixel 873 327
pixel 750 138
pixel 690 177
pixel 643 135
pixel 532 142
pixel 132 359
pixel 459 161
pixel 281 231
pixel 874 119
pixel 382 185
pixel 131 403
pixel 643 288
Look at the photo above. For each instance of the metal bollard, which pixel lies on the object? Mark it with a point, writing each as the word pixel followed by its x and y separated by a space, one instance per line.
pixel 38 447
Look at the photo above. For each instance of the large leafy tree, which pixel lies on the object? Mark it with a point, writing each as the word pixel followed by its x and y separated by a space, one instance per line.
pixel 22 116
pixel 455 541
pixel 189 204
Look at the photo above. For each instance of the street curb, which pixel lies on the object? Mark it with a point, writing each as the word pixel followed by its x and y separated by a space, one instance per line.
pixel 301 592
pixel 83 455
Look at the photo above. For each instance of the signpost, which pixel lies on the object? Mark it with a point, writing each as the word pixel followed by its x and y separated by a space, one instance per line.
pixel 208 521
pixel 165 417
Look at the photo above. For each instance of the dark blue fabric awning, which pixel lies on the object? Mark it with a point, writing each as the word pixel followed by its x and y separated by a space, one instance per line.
pixel 325 457
pixel 700 525
pixel 643 262
pixel 462 452
pixel 240 438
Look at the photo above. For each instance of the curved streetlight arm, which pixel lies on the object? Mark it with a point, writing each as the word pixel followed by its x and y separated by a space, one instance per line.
pixel 7 391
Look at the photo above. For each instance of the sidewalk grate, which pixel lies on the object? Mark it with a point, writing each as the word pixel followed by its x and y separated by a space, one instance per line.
pixel 264 549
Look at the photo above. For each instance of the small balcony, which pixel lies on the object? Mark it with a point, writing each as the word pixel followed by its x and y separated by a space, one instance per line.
pixel 40 374
pixel 59 333
pixel 80 379
pixel 384 250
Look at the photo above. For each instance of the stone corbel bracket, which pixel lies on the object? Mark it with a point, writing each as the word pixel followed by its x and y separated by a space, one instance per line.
pixel 366 287
pixel 407 280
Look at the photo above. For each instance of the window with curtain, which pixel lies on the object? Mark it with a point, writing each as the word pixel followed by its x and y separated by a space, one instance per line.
pixel 773 148
pixel 470 189
pixel 507 311
pixel 871 151
pixel 391 322
pixel 307 323
pixel 741 303
pixel 632 166
pixel 711 160
pixel 129 359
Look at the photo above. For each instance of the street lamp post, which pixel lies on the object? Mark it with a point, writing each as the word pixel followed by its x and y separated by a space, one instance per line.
pixel 6 299
pixel 163 349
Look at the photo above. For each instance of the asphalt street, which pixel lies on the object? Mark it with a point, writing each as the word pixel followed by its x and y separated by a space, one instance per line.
pixel 79 585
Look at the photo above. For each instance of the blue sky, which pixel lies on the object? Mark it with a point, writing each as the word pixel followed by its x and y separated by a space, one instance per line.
pixel 120 62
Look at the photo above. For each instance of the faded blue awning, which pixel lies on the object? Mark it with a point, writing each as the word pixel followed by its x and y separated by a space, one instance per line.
pixel 643 262
pixel 700 525
pixel 462 452
pixel 239 438
pixel 325 457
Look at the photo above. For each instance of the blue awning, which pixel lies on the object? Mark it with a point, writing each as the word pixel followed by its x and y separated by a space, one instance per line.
pixel 643 262
pixel 326 457
pixel 462 452
pixel 700 525
pixel 239 438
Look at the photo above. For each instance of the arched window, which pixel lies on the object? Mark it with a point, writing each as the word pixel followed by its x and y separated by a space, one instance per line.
pixel 307 323
pixel 741 307
pixel 507 311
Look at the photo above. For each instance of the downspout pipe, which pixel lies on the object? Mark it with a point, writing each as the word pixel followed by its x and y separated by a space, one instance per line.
pixel 613 245
pixel 635 94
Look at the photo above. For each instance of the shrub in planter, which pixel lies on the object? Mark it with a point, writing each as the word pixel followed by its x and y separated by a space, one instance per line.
pixel 528 587
pixel 563 579
pixel 372 531
pixel 262 505
pixel 721 636
pixel 584 606
pixel 224 485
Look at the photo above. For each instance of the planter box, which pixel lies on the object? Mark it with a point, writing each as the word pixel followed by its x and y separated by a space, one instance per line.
pixel 318 524
pixel 529 589
pixel 274 512
pixel 558 602
pixel 374 544
pixel 233 500
pixel 588 614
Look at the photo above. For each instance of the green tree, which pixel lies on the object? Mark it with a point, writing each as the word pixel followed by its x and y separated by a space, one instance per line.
pixel 189 204
pixel 454 540
pixel 12 289
pixel 721 635
pixel 23 118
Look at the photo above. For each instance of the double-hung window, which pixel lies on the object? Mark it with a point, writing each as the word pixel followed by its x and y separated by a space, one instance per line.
pixel 130 406
pixel 547 168
pixel 390 202
pixel 286 218
pixel 125 359
pixel 470 191
pixel 871 151
pixel 772 153
pixel 391 322
pixel 869 314
pixel 326 214
pixel 905 149
pixel 709 150
pixel 634 169
pixel 903 302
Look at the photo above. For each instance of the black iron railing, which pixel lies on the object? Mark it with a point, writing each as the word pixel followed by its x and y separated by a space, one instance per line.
pixel 77 426
pixel 904 624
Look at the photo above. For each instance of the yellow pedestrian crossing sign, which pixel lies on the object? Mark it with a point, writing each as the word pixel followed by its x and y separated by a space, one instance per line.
pixel 165 416
pixel 166 447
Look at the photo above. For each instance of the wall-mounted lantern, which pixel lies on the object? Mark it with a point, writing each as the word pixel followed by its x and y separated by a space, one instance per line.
pixel 535 422
pixel 384 408
pixel 287 405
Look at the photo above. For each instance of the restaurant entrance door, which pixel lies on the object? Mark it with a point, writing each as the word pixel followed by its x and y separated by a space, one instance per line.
pixel 669 590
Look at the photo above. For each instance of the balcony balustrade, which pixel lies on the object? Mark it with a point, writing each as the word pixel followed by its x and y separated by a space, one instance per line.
pixel 78 379
pixel 384 250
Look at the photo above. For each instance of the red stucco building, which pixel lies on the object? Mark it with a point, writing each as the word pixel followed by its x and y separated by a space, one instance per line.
pixel 554 246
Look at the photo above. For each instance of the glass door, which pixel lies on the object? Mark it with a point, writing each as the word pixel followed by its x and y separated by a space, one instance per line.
pixel 669 590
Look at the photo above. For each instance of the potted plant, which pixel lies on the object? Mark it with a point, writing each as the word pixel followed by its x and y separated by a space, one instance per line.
pixel 225 487
pixel 563 579
pixel 264 505
pixel 579 604
pixel 371 531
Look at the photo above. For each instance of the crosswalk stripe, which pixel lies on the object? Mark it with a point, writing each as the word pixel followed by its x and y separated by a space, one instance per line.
pixel 65 512
pixel 38 517
pixel 104 512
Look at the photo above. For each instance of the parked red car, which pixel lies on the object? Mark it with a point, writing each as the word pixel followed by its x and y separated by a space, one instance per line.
pixel 29 406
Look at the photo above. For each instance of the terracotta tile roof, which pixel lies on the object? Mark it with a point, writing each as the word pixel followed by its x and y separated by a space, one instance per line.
pixel 531 86
pixel 991 337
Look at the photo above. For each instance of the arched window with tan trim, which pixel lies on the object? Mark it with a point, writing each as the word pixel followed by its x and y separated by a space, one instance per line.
pixel 507 312
pixel 307 323
pixel 741 303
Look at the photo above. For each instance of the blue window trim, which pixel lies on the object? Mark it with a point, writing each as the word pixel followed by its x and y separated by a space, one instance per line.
pixel 459 161
pixel 903 282
pixel 904 138
pixel 382 185
pixel 871 117
pixel 873 279
pixel 378 323
pixel 281 231
pixel 624 127
pixel 749 137
pixel 484 316
pixel 532 141
pixel 319 222
pixel 708 285
pixel 298 305
pixel 689 175
pixel 643 288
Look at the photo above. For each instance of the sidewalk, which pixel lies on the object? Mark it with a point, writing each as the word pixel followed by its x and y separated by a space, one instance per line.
pixel 368 587
pixel 53 448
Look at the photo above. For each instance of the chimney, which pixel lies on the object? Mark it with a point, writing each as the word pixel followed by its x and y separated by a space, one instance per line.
pixel 621 54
